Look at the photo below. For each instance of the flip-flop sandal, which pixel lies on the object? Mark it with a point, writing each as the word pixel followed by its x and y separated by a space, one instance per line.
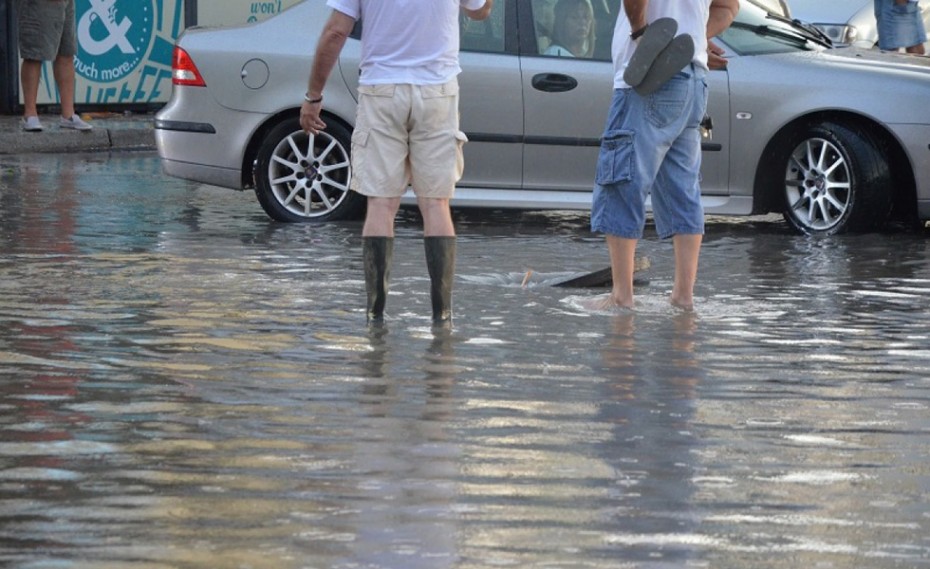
pixel 675 57
pixel 657 36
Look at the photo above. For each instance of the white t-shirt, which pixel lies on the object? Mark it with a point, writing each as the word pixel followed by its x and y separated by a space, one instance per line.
pixel 408 41
pixel 691 15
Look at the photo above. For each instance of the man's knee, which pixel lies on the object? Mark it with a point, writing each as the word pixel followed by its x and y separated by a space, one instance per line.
pixel 383 206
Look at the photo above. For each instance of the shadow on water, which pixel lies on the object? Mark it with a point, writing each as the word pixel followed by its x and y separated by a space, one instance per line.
pixel 184 383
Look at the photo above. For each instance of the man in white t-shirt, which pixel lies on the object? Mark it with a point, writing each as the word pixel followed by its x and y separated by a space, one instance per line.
pixel 407 129
pixel 652 146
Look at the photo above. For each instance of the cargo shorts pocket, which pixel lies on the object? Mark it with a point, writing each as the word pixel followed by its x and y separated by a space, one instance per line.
pixel 359 160
pixel 460 140
pixel 386 90
pixel 615 161
pixel 448 89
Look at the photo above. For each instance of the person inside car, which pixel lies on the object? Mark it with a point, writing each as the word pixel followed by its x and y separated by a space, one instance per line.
pixel 573 33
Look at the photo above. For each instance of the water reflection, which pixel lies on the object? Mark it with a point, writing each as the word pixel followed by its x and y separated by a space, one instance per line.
pixel 403 510
pixel 649 399
pixel 186 384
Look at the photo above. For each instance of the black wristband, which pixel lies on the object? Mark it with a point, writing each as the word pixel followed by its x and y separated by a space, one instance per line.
pixel 639 33
pixel 312 101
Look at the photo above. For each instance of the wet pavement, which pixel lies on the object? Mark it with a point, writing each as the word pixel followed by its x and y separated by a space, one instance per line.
pixel 184 383
pixel 112 131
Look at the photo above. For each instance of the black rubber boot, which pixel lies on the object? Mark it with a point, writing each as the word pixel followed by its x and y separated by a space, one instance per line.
pixel 377 254
pixel 440 262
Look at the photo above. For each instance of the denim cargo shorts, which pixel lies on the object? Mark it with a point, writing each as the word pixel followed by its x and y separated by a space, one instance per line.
pixel 652 147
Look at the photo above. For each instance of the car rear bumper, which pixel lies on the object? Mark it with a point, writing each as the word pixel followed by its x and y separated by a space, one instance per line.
pixel 213 175
pixel 185 126
pixel 199 140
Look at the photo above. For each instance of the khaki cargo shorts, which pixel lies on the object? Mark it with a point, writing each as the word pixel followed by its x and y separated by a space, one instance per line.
pixel 407 135
pixel 46 29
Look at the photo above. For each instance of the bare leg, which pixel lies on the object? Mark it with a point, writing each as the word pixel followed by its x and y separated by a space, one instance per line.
pixel 379 221
pixel 687 251
pixel 63 69
pixel 622 265
pixel 437 217
pixel 29 77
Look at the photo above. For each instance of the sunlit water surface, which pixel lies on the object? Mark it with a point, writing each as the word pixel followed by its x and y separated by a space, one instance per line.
pixel 184 383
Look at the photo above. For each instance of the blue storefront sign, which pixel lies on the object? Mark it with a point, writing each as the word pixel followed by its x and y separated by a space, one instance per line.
pixel 125 47
pixel 124 52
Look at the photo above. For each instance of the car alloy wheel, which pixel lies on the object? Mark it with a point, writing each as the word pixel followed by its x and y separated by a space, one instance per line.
pixel 836 180
pixel 302 177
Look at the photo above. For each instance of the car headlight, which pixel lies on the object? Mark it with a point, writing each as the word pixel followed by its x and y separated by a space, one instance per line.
pixel 839 34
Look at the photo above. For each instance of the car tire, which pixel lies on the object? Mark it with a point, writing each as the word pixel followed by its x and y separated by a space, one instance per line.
pixel 837 180
pixel 301 178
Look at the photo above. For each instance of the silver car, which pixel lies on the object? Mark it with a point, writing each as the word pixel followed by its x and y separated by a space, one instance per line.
pixel 835 139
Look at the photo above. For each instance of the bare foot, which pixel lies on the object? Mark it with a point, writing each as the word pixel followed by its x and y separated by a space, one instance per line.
pixel 605 303
pixel 686 306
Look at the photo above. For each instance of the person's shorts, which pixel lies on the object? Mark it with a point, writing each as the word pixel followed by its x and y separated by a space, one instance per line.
pixel 407 135
pixel 652 146
pixel 46 29
pixel 899 25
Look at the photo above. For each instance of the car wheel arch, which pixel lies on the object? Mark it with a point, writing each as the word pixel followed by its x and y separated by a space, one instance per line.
pixel 767 181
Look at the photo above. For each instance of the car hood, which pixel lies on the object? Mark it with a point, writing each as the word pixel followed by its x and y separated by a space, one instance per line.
pixel 915 64
pixel 827 11
pixel 858 81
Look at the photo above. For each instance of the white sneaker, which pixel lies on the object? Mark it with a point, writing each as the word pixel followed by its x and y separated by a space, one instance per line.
pixel 74 122
pixel 32 124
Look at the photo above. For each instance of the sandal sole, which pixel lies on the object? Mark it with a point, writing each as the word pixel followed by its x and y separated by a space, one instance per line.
pixel 658 35
pixel 675 57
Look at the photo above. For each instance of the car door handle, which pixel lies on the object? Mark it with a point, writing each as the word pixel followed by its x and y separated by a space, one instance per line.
pixel 554 82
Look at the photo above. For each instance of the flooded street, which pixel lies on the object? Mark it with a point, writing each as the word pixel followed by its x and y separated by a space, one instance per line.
pixel 186 384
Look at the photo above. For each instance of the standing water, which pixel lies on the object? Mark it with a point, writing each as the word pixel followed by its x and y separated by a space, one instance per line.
pixel 184 383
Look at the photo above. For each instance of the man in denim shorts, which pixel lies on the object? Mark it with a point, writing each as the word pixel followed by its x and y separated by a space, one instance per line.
pixel 46 33
pixel 900 25
pixel 406 131
pixel 652 145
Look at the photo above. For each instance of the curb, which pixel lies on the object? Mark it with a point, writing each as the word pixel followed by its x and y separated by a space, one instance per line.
pixel 124 135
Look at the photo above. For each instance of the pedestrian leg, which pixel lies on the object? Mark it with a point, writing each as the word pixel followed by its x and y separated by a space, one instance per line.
pixel 440 262
pixel 63 69
pixel 687 251
pixel 377 255
pixel 29 75
pixel 622 265
pixel 439 243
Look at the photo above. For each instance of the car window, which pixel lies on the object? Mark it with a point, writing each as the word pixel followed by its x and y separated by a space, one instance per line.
pixel 574 28
pixel 487 35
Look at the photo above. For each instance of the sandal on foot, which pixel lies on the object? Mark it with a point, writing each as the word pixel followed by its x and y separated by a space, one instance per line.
pixel 655 38
pixel 675 57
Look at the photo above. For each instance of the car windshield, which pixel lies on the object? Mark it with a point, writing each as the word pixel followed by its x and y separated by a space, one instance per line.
pixel 756 32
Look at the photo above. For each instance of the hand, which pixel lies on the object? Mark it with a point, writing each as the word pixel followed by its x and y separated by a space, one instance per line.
pixel 310 119
pixel 715 59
